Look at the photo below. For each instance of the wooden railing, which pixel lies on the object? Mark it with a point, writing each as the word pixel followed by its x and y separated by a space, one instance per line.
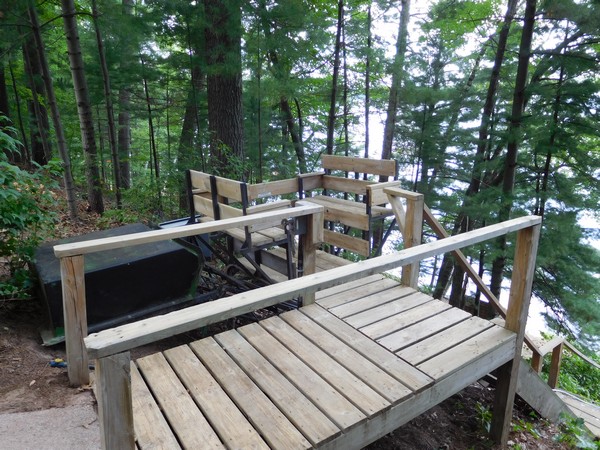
pixel 410 222
pixel 111 347
pixel 73 280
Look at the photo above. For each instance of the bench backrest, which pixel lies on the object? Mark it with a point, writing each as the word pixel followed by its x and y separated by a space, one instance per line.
pixel 385 167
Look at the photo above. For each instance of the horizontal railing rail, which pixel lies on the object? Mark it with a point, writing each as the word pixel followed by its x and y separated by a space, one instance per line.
pixel 73 277
pixel 126 337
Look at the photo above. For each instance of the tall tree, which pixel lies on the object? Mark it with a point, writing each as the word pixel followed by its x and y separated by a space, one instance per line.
pixel 112 133
pixel 223 36
pixel 94 187
pixel 334 79
pixel 58 126
pixel 397 76
pixel 514 136
pixel 124 133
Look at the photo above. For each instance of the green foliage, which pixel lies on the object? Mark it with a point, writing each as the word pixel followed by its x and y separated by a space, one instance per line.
pixel 484 417
pixel 574 433
pixel 26 217
pixel 578 376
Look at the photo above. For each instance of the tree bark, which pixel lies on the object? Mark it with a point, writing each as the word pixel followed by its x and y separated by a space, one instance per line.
pixel 397 77
pixel 112 135
pixel 27 155
pixel 124 132
pixel 224 82
pixel 334 80
pixel 94 187
pixel 39 127
pixel 58 128
pixel 514 137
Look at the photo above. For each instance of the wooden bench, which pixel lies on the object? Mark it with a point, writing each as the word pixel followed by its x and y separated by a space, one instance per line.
pixel 230 390
pixel 351 200
pixel 215 198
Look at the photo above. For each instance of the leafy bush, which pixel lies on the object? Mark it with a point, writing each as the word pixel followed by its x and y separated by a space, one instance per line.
pixel 26 216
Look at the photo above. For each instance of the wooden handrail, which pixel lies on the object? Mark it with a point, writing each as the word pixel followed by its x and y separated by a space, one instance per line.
pixel 125 337
pixel 73 277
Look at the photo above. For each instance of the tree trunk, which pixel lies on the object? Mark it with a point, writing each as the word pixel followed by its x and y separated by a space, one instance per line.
pixel 514 136
pixel 124 132
pixel 58 128
pixel 368 82
pixel 94 187
pixel 334 80
pixel 482 143
pixel 397 76
pixel 39 127
pixel 27 155
pixel 224 82
pixel 112 135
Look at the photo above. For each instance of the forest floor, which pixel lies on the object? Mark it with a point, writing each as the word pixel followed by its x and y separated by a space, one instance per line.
pixel 28 384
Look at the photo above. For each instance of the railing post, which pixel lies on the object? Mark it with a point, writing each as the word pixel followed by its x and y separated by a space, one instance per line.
pixel 309 242
pixel 75 317
pixel 537 361
pixel 516 319
pixel 555 365
pixel 412 233
pixel 115 407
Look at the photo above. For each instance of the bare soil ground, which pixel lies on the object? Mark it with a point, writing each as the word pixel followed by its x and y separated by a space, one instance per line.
pixel 28 383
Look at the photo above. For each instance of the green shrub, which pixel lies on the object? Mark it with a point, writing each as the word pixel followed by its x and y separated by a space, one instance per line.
pixel 26 216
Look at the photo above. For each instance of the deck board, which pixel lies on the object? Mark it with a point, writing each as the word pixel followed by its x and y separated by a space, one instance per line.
pixel 346 382
pixel 368 356
pixel 444 340
pixel 404 315
pixel 339 409
pixel 370 373
pixel 189 425
pixel 588 412
pixel 231 381
pixel 151 428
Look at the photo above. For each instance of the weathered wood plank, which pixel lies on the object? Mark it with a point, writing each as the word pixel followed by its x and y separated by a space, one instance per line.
pixel 299 410
pixel 471 350
pixel 347 214
pixel 442 341
pixel 274 218
pixel 273 188
pixel 417 404
pixel 151 429
pixel 352 360
pixel 75 318
pixel 365 303
pixel 345 382
pixel 359 165
pixel 220 387
pixel 394 316
pixel 188 423
pixel 351 243
pixel 408 375
pixel 428 327
pixel 377 284
pixel 115 410
pixel 342 412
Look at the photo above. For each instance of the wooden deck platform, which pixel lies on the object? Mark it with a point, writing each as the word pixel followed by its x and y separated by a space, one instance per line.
pixel 369 356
